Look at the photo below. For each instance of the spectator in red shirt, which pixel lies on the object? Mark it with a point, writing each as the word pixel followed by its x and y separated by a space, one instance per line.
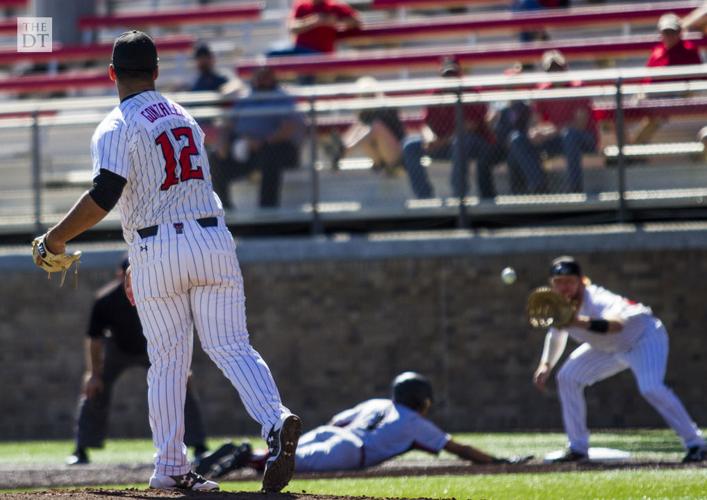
pixel 315 24
pixel 438 141
pixel 564 127
pixel 671 51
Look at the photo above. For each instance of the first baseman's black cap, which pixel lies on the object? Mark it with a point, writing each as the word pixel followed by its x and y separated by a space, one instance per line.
pixel 134 51
pixel 565 266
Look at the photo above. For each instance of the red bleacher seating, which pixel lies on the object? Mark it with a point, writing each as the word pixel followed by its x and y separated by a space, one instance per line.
pixel 616 14
pixel 429 57
pixel 52 83
pixel 687 106
pixel 8 27
pixel 93 51
pixel 433 4
pixel 690 106
pixel 194 15
pixel 13 3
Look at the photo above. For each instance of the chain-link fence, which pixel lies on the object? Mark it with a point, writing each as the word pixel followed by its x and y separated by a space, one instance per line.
pixel 456 146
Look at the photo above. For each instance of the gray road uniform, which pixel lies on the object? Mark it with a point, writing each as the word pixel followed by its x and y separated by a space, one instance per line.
pixel 366 435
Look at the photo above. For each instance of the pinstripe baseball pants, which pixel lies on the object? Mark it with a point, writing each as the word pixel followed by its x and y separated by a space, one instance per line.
pixel 648 361
pixel 189 275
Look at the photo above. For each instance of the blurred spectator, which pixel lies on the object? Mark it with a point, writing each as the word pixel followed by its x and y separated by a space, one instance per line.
pixel 437 140
pixel 697 19
pixel 702 137
pixel 524 5
pixel 315 24
pixel 209 78
pixel 671 51
pixel 378 133
pixel 265 139
pixel 563 127
pixel 506 119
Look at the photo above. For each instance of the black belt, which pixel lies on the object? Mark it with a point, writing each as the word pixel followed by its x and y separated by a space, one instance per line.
pixel 147 232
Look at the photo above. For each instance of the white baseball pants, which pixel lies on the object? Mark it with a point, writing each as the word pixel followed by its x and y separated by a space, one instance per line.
pixel 187 276
pixel 647 360
pixel 328 448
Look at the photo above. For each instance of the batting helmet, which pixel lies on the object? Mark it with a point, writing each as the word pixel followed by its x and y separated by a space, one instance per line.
pixel 411 389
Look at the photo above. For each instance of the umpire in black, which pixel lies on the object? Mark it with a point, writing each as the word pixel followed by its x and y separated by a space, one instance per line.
pixel 114 343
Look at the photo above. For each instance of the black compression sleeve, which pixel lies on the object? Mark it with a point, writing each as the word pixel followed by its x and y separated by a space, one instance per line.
pixel 107 188
pixel 598 325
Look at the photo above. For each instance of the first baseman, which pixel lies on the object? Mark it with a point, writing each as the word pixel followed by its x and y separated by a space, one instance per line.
pixel 149 159
pixel 615 333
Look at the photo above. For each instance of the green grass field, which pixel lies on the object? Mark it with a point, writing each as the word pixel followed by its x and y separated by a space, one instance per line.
pixel 619 484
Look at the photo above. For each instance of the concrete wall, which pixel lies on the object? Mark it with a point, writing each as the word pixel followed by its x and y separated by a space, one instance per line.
pixel 337 319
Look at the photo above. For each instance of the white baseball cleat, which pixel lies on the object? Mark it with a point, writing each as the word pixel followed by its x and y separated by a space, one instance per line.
pixel 189 481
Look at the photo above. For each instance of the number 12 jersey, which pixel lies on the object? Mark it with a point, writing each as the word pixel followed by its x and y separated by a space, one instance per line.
pixel 156 145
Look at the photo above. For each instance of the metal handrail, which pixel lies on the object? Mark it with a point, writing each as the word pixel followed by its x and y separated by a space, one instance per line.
pixel 421 85
pixel 601 84
pixel 203 107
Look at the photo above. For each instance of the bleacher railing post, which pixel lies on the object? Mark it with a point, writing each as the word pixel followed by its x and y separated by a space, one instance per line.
pixel 316 223
pixel 36 173
pixel 621 159
pixel 459 131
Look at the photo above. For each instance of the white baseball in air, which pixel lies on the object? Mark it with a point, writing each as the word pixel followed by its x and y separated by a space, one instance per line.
pixel 508 275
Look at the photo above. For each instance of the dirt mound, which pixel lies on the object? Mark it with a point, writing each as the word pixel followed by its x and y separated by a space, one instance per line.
pixel 96 494
pixel 97 475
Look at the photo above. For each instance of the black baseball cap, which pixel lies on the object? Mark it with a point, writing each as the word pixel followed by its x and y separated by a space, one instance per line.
pixel 202 49
pixel 134 51
pixel 565 266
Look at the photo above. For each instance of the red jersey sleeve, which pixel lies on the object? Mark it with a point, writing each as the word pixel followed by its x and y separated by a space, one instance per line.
pixel 344 11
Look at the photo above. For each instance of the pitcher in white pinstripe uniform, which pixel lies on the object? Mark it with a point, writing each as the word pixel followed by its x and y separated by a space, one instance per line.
pixel 149 159
pixel 615 334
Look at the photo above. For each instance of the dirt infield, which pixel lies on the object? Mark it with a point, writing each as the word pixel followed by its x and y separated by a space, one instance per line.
pixel 96 494
pixel 96 475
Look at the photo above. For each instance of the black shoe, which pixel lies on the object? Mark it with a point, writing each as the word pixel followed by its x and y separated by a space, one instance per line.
pixel 282 444
pixel 236 460
pixel 207 462
pixel 78 457
pixel 335 150
pixel 695 454
pixel 571 456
